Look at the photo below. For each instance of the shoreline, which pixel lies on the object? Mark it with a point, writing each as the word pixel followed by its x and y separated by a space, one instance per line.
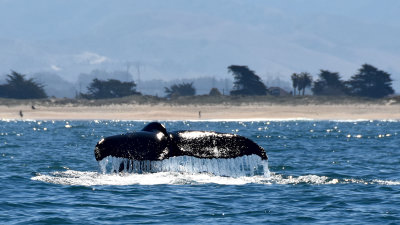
pixel 251 112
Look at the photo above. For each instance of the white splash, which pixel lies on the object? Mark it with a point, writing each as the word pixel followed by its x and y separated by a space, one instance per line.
pixel 71 177
pixel 234 167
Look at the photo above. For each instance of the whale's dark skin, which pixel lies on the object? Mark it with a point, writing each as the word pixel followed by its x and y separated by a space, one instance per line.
pixel 153 142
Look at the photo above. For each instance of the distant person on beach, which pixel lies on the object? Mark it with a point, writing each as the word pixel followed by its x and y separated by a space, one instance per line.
pixel 199 114
pixel 33 107
pixel 21 114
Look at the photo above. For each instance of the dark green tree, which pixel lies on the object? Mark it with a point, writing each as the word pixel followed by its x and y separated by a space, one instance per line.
pixel 370 82
pixel 295 82
pixel 215 92
pixel 329 83
pixel 304 81
pixel 100 89
pixel 176 90
pixel 246 81
pixel 20 88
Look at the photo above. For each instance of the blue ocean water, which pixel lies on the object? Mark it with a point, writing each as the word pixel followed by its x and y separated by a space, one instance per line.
pixel 320 172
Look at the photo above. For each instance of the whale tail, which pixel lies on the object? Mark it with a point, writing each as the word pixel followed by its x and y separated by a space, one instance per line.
pixel 155 127
pixel 206 144
pixel 154 143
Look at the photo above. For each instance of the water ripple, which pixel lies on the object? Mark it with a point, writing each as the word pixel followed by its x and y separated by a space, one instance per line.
pixel 321 172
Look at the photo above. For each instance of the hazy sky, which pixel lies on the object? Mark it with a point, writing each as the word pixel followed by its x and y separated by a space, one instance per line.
pixel 183 39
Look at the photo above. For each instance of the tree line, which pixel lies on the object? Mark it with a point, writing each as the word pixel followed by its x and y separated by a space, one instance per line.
pixel 367 82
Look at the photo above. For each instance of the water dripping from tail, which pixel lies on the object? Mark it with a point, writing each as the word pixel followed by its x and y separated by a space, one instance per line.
pixel 251 165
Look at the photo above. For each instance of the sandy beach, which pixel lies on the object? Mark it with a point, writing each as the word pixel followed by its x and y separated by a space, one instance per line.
pixel 208 112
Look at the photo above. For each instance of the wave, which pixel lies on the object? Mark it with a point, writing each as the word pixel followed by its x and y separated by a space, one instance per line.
pixel 88 178
pixel 183 170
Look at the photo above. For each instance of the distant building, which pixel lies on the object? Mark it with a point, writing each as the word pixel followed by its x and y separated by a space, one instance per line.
pixel 277 91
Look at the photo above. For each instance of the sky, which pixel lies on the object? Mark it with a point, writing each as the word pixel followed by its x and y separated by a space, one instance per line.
pixel 199 38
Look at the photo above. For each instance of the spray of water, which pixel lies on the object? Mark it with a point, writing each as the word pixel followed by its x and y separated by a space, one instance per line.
pixel 236 167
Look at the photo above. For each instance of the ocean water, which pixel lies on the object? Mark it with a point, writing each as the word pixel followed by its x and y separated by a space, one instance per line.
pixel 317 172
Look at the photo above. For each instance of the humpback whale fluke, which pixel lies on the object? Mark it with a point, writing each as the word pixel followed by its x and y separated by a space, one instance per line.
pixel 154 143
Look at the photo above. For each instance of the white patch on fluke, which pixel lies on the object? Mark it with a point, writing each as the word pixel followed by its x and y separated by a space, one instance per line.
pixel 216 152
pixel 200 134
pixel 101 141
pixel 160 135
pixel 163 154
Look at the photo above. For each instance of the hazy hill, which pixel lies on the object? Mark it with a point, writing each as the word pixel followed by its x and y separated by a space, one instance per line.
pixel 54 85
pixel 181 39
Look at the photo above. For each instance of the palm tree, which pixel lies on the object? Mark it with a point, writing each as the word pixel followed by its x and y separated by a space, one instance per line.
pixel 304 81
pixel 295 82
